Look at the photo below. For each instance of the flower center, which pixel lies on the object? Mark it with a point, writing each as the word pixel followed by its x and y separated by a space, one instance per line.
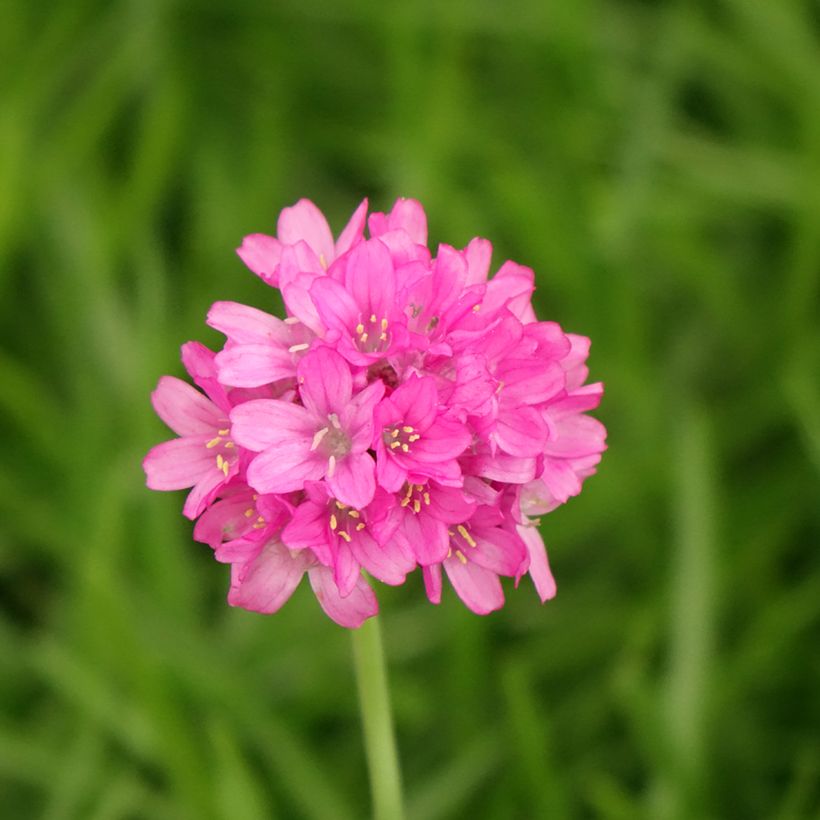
pixel 400 437
pixel 224 450
pixel 461 541
pixel 372 336
pixel 414 496
pixel 331 442
pixel 343 520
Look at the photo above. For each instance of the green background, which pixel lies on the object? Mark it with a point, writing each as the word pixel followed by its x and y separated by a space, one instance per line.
pixel 658 164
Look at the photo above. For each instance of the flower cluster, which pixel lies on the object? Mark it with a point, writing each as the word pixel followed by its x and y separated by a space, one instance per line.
pixel 409 412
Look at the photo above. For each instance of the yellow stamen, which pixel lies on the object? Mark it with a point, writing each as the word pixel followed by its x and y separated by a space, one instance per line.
pixel 360 328
pixel 213 442
pixel 407 429
pixel 462 530
pixel 382 337
pixel 384 324
pixel 229 445
pixel 417 506
pixel 461 556
pixel 354 513
pixel 363 337
pixel 340 506
pixel 373 318
pixel 343 534
pixel 219 461
pixel 476 308
pixel 405 448
pixel 394 444
pixel 405 501
pixel 360 526
pixel 414 437
pixel 427 498
pixel 249 512
pixel 395 433
pixel 225 468
pixel 223 432
pixel 333 522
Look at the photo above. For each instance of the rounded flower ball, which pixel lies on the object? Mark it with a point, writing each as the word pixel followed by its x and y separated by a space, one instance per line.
pixel 409 413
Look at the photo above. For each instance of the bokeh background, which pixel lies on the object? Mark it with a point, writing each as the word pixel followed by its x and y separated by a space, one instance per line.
pixel 657 163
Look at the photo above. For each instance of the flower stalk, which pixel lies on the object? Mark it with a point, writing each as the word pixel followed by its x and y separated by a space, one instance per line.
pixel 377 721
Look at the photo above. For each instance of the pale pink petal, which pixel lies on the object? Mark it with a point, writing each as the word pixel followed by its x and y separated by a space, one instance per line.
pixel 575 436
pixel 499 551
pixel 184 409
pixel 177 464
pixel 261 254
pixel 246 325
pixel 206 490
pixel 539 566
pixel 353 231
pixel 479 588
pixel 252 365
pixel 263 423
pixel 285 468
pixel 432 582
pixel 351 611
pixel 477 255
pixel 521 432
pixel 354 480
pixel 387 563
pixel 409 216
pixel 304 221
pixel 267 582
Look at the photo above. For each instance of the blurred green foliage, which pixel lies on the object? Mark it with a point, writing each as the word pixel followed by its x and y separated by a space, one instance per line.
pixel 657 163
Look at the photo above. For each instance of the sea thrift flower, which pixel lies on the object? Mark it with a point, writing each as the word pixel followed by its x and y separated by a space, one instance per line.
pixel 409 413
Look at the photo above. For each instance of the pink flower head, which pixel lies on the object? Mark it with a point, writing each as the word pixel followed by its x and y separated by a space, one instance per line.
pixel 409 413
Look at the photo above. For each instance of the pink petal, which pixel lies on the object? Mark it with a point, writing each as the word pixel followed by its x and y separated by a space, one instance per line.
pixel 479 588
pixel 263 423
pixel 184 409
pixel 387 563
pixel 354 480
pixel 261 254
pixel 177 464
pixel 353 231
pixel 432 582
pixel 427 537
pixel 521 432
pixel 267 582
pixel 357 416
pixel 499 551
pixel 335 307
pixel 351 611
pixel 577 436
pixel 370 278
pixel 246 325
pixel 325 383
pixel 389 473
pixel 539 566
pixel 409 216
pixel 206 490
pixel 252 365
pixel 477 255
pixel 444 440
pixel 304 221
pixel 285 468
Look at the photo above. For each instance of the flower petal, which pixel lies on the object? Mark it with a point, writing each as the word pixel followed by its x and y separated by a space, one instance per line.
pixel 266 582
pixel 285 468
pixel 304 221
pixel 325 383
pixel 479 588
pixel 261 254
pixel 252 365
pixel 262 423
pixel 246 325
pixel 178 464
pixel 539 565
pixel 351 611
pixel 353 231
pixel 354 480
pixel 184 409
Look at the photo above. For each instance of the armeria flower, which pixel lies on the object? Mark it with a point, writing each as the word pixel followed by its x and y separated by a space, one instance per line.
pixel 409 412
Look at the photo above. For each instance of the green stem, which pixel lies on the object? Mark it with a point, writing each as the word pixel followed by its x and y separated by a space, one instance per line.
pixel 379 739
